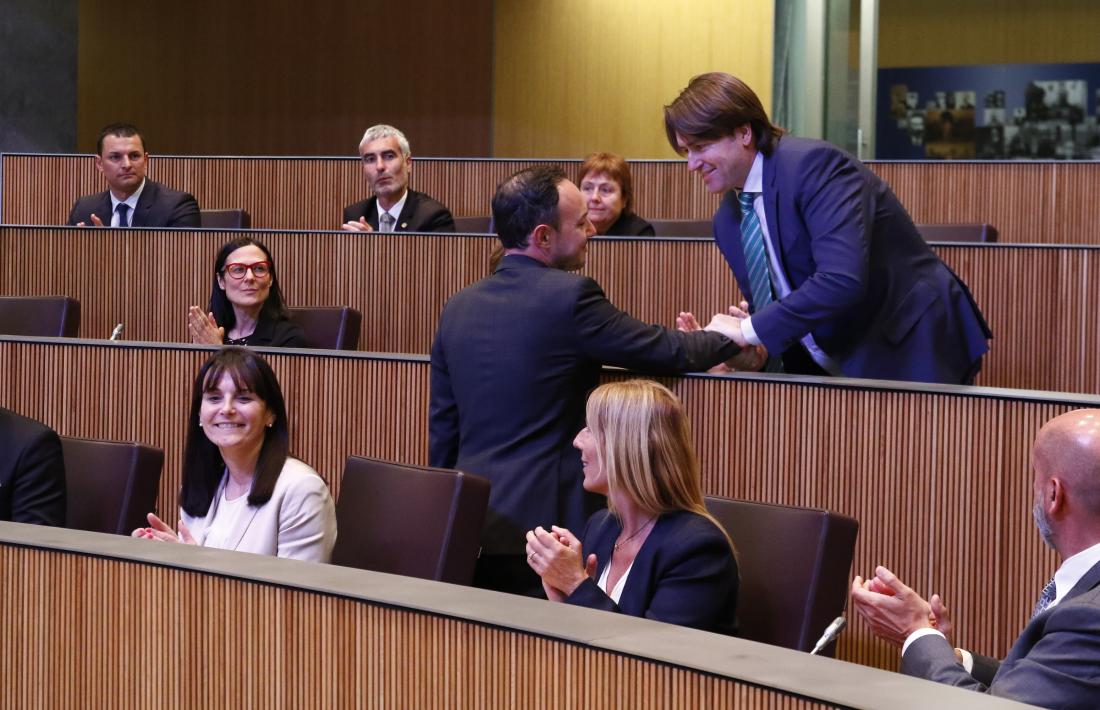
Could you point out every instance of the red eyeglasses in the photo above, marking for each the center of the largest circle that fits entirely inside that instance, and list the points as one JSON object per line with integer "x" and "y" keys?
{"x": 260, "y": 270}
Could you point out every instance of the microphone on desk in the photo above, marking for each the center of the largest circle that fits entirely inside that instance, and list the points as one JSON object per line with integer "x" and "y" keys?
{"x": 116, "y": 332}
{"x": 830, "y": 634}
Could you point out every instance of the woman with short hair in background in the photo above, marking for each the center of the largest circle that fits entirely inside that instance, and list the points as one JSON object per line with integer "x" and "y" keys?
{"x": 608, "y": 189}
{"x": 655, "y": 552}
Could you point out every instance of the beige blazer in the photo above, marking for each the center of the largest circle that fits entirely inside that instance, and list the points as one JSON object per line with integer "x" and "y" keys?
{"x": 298, "y": 522}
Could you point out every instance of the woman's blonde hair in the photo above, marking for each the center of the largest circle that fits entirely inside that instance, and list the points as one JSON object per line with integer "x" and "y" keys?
{"x": 643, "y": 440}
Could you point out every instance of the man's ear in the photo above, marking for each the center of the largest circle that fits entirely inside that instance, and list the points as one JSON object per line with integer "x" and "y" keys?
{"x": 541, "y": 235}
{"x": 1054, "y": 496}
{"x": 99, "y": 163}
{"x": 744, "y": 135}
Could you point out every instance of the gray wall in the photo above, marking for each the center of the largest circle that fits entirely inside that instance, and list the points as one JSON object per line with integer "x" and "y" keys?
{"x": 38, "y": 64}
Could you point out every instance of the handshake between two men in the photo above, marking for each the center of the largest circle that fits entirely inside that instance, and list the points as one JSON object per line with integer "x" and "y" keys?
{"x": 750, "y": 359}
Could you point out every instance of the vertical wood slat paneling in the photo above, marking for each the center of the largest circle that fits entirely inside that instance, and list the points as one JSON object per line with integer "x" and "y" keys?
{"x": 925, "y": 474}
{"x": 399, "y": 283}
{"x": 1029, "y": 203}
{"x": 96, "y": 632}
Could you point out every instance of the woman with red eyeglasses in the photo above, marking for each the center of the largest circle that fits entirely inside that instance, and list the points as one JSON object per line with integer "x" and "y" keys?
{"x": 246, "y": 304}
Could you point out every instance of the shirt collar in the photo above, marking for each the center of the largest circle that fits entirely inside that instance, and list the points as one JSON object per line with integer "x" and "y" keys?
{"x": 132, "y": 200}
{"x": 755, "y": 180}
{"x": 395, "y": 210}
{"x": 1073, "y": 569}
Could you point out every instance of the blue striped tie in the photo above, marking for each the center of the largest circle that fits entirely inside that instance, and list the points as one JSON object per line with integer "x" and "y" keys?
{"x": 756, "y": 257}
{"x": 1045, "y": 599}
{"x": 756, "y": 261}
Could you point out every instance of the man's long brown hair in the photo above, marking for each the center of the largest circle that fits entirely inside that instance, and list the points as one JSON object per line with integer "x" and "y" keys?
{"x": 714, "y": 106}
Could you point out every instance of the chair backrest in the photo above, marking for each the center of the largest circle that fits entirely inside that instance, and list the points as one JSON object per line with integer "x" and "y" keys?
{"x": 794, "y": 569}
{"x": 473, "y": 225}
{"x": 110, "y": 485}
{"x": 958, "y": 232}
{"x": 46, "y": 316}
{"x": 410, "y": 520}
{"x": 329, "y": 327}
{"x": 225, "y": 219}
{"x": 682, "y": 227}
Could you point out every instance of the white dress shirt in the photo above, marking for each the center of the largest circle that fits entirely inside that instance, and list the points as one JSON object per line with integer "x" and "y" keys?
{"x": 617, "y": 592}
{"x": 394, "y": 211}
{"x": 132, "y": 201}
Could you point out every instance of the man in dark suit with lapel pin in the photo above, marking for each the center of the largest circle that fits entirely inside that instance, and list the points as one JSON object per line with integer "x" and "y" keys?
{"x": 131, "y": 199}
{"x": 32, "y": 472}
{"x": 1055, "y": 662}
{"x": 837, "y": 278}
{"x": 387, "y": 165}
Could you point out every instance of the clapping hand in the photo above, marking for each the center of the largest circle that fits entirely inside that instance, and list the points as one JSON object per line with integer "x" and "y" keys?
{"x": 160, "y": 530}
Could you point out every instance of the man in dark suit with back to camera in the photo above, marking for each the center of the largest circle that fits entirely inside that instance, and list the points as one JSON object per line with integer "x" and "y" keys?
{"x": 387, "y": 165}
{"x": 837, "y": 278}
{"x": 32, "y": 472}
{"x": 514, "y": 359}
{"x": 1055, "y": 662}
{"x": 131, "y": 199}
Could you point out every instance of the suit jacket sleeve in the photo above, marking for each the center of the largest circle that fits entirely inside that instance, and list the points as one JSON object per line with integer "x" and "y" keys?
{"x": 443, "y": 412}
{"x": 38, "y": 491}
{"x": 440, "y": 220}
{"x": 185, "y": 213}
{"x": 691, "y": 589}
{"x": 288, "y": 334}
{"x": 609, "y": 335}
{"x": 307, "y": 521}
{"x": 1059, "y": 670}
{"x": 833, "y": 202}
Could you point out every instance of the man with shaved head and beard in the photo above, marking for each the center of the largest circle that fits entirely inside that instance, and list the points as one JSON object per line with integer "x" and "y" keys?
{"x": 1055, "y": 663}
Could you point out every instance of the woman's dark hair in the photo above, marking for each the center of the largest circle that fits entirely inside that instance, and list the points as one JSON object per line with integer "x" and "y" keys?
{"x": 203, "y": 466}
{"x": 273, "y": 309}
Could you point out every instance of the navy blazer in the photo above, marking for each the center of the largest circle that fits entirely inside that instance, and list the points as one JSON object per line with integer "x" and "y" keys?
{"x": 513, "y": 361}
{"x": 419, "y": 214}
{"x": 685, "y": 573}
{"x": 158, "y": 206}
{"x": 863, "y": 280}
{"x": 32, "y": 471}
{"x": 1055, "y": 663}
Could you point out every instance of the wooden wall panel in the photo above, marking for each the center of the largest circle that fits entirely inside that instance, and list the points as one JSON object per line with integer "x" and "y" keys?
{"x": 939, "y": 33}
{"x": 253, "y": 78}
{"x": 925, "y": 472}
{"x": 1029, "y": 203}
{"x": 147, "y": 279}
{"x": 574, "y": 77}
{"x": 96, "y": 632}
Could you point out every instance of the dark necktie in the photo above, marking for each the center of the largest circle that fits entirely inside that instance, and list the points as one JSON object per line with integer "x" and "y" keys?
{"x": 1045, "y": 599}
{"x": 386, "y": 221}
{"x": 123, "y": 209}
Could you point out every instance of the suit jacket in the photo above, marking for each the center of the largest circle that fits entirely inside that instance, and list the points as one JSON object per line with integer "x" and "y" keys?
{"x": 630, "y": 225}
{"x": 513, "y": 361}
{"x": 863, "y": 281}
{"x": 1055, "y": 663}
{"x": 299, "y": 521}
{"x": 158, "y": 206}
{"x": 32, "y": 472}
{"x": 685, "y": 573}
{"x": 420, "y": 214}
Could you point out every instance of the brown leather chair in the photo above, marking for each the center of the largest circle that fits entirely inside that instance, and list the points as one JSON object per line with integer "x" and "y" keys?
{"x": 473, "y": 225}
{"x": 329, "y": 327}
{"x": 410, "y": 520}
{"x": 225, "y": 219}
{"x": 794, "y": 565}
{"x": 110, "y": 485}
{"x": 682, "y": 227}
{"x": 958, "y": 232}
{"x": 45, "y": 316}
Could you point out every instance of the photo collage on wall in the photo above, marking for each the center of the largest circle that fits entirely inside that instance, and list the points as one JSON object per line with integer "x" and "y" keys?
{"x": 996, "y": 112}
